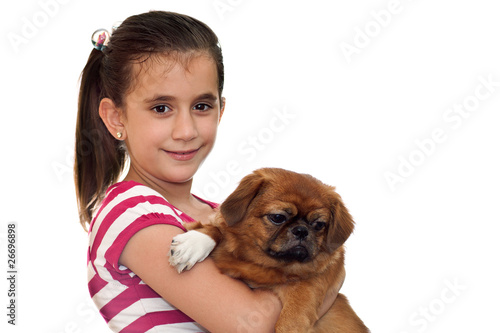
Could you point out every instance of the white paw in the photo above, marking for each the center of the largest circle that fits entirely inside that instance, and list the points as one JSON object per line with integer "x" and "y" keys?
{"x": 189, "y": 248}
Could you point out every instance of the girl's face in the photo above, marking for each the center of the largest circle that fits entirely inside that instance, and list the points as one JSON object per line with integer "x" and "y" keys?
{"x": 171, "y": 118}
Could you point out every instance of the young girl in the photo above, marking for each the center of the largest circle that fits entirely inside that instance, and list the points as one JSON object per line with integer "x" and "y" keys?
{"x": 152, "y": 95}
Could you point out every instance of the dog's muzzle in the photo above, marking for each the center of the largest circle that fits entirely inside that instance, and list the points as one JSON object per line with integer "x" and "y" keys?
{"x": 297, "y": 253}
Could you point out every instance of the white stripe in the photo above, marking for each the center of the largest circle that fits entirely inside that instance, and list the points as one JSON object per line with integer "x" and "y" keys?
{"x": 177, "y": 328}
{"x": 126, "y": 317}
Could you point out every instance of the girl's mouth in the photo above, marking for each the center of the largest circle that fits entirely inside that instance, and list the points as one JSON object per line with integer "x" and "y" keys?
{"x": 184, "y": 155}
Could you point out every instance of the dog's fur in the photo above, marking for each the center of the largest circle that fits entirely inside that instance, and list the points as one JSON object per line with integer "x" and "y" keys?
{"x": 283, "y": 231}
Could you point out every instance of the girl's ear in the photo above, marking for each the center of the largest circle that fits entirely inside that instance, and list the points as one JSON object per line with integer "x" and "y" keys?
{"x": 222, "y": 107}
{"x": 112, "y": 118}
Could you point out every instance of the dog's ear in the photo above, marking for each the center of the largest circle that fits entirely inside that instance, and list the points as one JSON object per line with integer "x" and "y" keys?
{"x": 343, "y": 224}
{"x": 235, "y": 207}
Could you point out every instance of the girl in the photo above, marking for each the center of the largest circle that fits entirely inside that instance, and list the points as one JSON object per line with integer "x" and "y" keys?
{"x": 153, "y": 95}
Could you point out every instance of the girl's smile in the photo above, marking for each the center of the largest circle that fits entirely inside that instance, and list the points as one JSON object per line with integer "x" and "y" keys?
{"x": 182, "y": 155}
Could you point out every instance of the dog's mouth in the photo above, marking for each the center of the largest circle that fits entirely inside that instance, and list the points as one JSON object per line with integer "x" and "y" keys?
{"x": 297, "y": 253}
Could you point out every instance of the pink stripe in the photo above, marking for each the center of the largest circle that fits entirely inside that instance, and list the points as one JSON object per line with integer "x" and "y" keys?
{"x": 125, "y": 299}
{"x": 96, "y": 284}
{"x": 153, "y": 319}
{"x": 119, "y": 189}
{"x": 118, "y": 304}
{"x": 213, "y": 205}
{"x": 91, "y": 262}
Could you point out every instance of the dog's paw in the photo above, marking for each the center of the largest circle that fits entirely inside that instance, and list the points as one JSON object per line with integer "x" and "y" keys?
{"x": 189, "y": 248}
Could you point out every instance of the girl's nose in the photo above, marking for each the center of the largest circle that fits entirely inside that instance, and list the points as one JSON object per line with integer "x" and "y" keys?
{"x": 184, "y": 127}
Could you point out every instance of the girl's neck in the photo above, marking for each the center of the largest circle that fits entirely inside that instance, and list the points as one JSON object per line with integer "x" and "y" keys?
{"x": 178, "y": 194}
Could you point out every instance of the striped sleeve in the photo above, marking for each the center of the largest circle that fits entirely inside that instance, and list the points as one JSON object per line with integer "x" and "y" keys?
{"x": 123, "y": 215}
{"x": 123, "y": 299}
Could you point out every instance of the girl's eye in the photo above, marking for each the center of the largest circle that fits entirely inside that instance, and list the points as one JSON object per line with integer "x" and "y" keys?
{"x": 202, "y": 107}
{"x": 161, "y": 109}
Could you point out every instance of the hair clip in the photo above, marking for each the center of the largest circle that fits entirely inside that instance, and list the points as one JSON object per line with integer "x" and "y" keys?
{"x": 100, "y": 39}
{"x": 115, "y": 26}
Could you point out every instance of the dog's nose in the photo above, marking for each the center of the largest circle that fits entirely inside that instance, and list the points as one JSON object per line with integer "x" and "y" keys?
{"x": 300, "y": 232}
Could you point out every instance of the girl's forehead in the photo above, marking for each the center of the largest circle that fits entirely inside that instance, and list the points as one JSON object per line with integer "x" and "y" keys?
{"x": 159, "y": 71}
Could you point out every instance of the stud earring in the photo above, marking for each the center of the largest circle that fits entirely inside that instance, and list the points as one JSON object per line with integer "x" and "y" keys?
{"x": 119, "y": 135}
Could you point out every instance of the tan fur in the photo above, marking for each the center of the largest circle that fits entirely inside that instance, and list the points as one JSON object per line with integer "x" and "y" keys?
{"x": 246, "y": 239}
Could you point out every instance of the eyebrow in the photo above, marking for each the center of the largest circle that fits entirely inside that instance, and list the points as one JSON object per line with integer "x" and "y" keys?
{"x": 167, "y": 98}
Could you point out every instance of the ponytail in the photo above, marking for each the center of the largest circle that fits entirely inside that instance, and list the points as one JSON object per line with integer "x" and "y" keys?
{"x": 99, "y": 160}
{"x": 99, "y": 157}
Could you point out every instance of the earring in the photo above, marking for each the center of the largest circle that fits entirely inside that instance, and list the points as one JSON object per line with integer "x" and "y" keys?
{"x": 119, "y": 135}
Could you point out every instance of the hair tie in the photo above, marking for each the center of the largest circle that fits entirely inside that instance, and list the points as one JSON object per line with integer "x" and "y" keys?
{"x": 100, "y": 37}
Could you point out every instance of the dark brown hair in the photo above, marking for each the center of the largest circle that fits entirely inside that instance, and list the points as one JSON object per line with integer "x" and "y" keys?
{"x": 99, "y": 157}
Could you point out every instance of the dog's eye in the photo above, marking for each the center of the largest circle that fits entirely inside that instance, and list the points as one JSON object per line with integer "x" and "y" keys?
{"x": 319, "y": 225}
{"x": 276, "y": 218}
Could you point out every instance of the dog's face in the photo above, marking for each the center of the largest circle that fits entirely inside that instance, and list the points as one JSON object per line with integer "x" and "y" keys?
{"x": 283, "y": 217}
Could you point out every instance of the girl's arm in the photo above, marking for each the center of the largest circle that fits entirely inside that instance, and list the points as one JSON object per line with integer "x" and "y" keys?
{"x": 217, "y": 302}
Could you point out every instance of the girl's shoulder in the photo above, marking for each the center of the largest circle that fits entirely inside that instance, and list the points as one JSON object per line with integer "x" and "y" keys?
{"x": 129, "y": 187}
{"x": 133, "y": 195}
{"x": 128, "y": 202}
{"x": 133, "y": 188}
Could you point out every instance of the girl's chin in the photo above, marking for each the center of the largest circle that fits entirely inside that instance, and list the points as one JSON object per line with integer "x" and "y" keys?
{"x": 180, "y": 177}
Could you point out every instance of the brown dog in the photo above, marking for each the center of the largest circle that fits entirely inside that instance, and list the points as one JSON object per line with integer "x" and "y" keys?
{"x": 283, "y": 231}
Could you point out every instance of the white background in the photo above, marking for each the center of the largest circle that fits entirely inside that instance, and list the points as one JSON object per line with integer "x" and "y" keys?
{"x": 424, "y": 255}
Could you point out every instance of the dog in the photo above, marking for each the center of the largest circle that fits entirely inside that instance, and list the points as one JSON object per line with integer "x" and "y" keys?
{"x": 283, "y": 231}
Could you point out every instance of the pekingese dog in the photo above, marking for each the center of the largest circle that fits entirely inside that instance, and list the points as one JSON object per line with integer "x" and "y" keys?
{"x": 283, "y": 231}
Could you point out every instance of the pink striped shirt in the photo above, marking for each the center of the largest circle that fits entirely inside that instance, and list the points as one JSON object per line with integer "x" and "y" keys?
{"x": 123, "y": 299}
